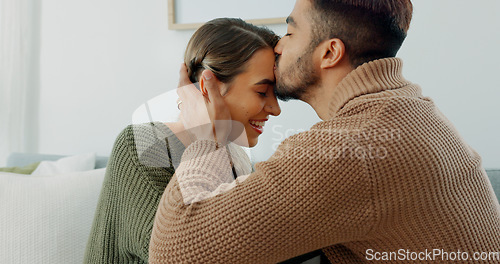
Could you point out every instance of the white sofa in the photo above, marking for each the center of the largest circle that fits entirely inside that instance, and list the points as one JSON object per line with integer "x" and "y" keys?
{"x": 48, "y": 219}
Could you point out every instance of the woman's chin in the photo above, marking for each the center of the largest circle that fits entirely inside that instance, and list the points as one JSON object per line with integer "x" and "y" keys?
{"x": 243, "y": 138}
{"x": 246, "y": 142}
{"x": 252, "y": 143}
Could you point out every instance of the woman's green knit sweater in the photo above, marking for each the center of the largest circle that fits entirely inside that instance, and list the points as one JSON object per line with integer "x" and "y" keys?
{"x": 141, "y": 164}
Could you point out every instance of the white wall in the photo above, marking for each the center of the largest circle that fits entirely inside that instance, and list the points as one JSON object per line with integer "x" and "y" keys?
{"x": 102, "y": 59}
{"x": 452, "y": 51}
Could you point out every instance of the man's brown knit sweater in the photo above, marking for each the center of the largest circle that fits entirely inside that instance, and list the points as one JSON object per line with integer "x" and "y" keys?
{"x": 386, "y": 174}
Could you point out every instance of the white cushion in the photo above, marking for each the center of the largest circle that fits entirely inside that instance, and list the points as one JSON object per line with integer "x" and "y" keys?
{"x": 47, "y": 219}
{"x": 83, "y": 162}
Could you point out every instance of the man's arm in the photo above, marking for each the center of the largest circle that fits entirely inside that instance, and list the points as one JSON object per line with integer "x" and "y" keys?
{"x": 303, "y": 199}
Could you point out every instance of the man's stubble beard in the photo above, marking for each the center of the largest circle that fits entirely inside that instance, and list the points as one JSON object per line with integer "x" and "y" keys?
{"x": 306, "y": 78}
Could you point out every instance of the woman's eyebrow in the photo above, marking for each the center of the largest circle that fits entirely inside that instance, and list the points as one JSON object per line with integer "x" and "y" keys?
{"x": 265, "y": 81}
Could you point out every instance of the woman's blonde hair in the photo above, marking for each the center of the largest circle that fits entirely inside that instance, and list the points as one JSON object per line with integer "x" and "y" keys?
{"x": 224, "y": 45}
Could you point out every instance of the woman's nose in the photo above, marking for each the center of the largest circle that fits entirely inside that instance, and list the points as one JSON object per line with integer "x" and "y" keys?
{"x": 272, "y": 105}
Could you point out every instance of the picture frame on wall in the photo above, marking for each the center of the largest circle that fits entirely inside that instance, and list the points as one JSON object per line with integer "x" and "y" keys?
{"x": 190, "y": 14}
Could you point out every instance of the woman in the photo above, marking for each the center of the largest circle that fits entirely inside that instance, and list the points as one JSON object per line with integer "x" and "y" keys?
{"x": 144, "y": 157}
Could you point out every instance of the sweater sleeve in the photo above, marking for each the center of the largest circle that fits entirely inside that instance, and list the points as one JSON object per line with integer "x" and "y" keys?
{"x": 196, "y": 185}
{"x": 309, "y": 195}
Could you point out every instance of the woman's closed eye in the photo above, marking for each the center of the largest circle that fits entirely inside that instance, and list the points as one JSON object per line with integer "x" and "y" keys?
{"x": 265, "y": 83}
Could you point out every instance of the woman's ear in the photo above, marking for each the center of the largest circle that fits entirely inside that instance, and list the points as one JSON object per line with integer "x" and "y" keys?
{"x": 203, "y": 89}
{"x": 333, "y": 52}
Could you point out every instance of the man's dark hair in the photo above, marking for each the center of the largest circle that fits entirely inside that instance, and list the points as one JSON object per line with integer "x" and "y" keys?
{"x": 370, "y": 29}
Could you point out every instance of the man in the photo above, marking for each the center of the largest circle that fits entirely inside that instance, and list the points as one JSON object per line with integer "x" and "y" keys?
{"x": 385, "y": 176}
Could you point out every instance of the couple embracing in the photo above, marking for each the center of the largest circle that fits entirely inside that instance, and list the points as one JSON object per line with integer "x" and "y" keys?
{"x": 428, "y": 191}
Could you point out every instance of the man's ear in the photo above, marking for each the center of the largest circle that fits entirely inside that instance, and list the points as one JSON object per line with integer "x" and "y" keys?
{"x": 333, "y": 51}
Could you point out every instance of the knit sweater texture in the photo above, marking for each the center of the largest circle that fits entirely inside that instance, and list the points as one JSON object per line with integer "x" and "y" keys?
{"x": 142, "y": 162}
{"x": 386, "y": 172}
{"x": 138, "y": 171}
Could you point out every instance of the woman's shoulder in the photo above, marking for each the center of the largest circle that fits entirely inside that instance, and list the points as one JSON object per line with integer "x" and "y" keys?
{"x": 143, "y": 133}
{"x": 141, "y": 151}
{"x": 144, "y": 144}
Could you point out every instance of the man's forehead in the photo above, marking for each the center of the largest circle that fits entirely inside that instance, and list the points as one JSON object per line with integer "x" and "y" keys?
{"x": 299, "y": 13}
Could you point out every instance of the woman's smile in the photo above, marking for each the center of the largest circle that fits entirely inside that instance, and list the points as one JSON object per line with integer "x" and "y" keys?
{"x": 258, "y": 125}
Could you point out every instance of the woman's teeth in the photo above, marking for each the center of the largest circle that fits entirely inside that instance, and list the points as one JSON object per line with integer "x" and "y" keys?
{"x": 255, "y": 123}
